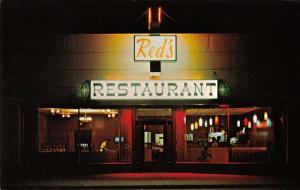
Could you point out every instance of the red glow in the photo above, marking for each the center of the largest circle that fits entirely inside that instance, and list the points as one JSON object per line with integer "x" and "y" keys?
{"x": 126, "y": 128}
{"x": 174, "y": 176}
{"x": 223, "y": 106}
{"x": 180, "y": 134}
{"x": 246, "y": 121}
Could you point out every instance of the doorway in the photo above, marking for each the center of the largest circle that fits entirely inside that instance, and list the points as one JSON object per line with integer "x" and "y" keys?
{"x": 154, "y": 142}
{"x": 155, "y": 145}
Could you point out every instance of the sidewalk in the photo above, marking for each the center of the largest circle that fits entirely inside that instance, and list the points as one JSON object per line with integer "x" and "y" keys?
{"x": 158, "y": 180}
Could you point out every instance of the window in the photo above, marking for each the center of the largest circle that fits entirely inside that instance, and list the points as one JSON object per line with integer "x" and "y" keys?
{"x": 100, "y": 135}
{"x": 228, "y": 134}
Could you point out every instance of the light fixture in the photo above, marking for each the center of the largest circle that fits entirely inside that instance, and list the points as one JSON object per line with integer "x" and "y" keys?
{"x": 192, "y": 126}
{"x": 205, "y": 123}
{"x": 52, "y": 110}
{"x": 216, "y": 120}
{"x": 246, "y": 121}
{"x": 200, "y": 122}
{"x": 85, "y": 118}
{"x": 269, "y": 123}
{"x": 210, "y": 121}
{"x": 266, "y": 116}
{"x": 238, "y": 123}
{"x": 254, "y": 118}
{"x": 109, "y": 115}
{"x": 196, "y": 125}
{"x": 113, "y": 114}
{"x": 249, "y": 124}
{"x": 65, "y": 115}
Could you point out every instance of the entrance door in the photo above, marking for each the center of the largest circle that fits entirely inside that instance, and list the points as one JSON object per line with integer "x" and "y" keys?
{"x": 155, "y": 144}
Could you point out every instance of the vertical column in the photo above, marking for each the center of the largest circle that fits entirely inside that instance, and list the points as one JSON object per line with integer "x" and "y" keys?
{"x": 180, "y": 126}
{"x": 126, "y": 123}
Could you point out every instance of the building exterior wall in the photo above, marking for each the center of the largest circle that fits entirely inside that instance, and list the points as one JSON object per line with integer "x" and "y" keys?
{"x": 49, "y": 69}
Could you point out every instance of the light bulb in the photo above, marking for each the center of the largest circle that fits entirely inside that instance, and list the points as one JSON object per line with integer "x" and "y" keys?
{"x": 266, "y": 116}
{"x": 216, "y": 120}
{"x": 238, "y": 123}
{"x": 254, "y": 118}
{"x": 210, "y": 121}
{"x": 200, "y": 122}
{"x": 192, "y": 127}
{"x": 196, "y": 125}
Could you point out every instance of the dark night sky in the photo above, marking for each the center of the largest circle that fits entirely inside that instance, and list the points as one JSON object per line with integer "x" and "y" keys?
{"x": 123, "y": 16}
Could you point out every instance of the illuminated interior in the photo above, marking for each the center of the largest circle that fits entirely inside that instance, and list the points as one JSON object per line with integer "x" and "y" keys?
{"x": 214, "y": 135}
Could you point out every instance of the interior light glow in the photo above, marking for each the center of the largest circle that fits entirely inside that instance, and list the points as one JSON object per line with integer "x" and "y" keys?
{"x": 246, "y": 121}
{"x": 210, "y": 121}
{"x": 254, "y": 118}
{"x": 196, "y": 125}
{"x": 266, "y": 116}
{"x": 205, "y": 123}
{"x": 244, "y": 130}
{"x": 192, "y": 126}
{"x": 85, "y": 118}
{"x": 238, "y": 123}
{"x": 216, "y": 120}
{"x": 200, "y": 122}
{"x": 249, "y": 124}
{"x": 269, "y": 123}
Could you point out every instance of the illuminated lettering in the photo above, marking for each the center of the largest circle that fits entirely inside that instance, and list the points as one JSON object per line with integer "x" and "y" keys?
{"x": 155, "y": 48}
{"x": 172, "y": 87}
{"x": 122, "y": 91}
{"x": 200, "y": 90}
{"x": 185, "y": 89}
{"x": 154, "y": 90}
{"x": 97, "y": 88}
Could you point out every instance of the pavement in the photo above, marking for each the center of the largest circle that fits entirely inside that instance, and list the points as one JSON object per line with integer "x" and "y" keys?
{"x": 177, "y": 180}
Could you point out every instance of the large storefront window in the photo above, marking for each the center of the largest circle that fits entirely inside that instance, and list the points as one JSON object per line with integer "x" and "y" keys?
{"x": 228, "y": 135}
{"x": 92, "y": 135}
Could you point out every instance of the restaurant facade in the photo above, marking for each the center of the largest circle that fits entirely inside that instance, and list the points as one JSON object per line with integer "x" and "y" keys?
{"x": 135, "y": 99}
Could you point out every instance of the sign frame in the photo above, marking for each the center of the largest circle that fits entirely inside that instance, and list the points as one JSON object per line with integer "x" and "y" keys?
{"x": 140, "y": 90}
